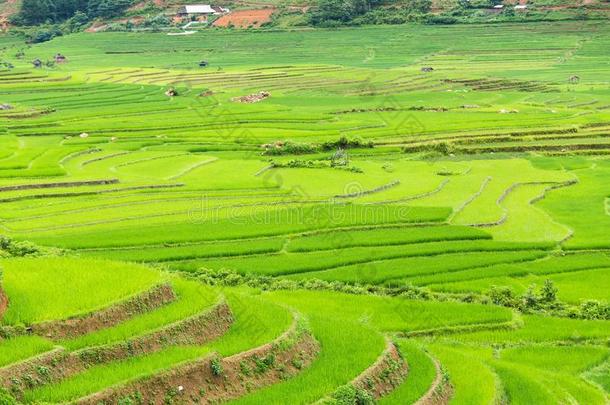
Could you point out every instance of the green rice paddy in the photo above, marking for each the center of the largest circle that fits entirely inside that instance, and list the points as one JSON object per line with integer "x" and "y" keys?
{"x": 462, "y": 213}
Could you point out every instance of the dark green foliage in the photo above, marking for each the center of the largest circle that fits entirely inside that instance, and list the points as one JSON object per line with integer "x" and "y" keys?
{"x": 34, "y": 12}
{"x": 346, "y": 143}
{"x": 288, "y": 148}
{"x": 502, "y": 296}
{"x": 592, "y": 309}
{"x": 350, "y": 395}
{"x": 331, "y": 13}
{"x": 11, "y": 248}
{"x": 529, "y": 299}
{"x": 216, "y": 365}
{"x": 548, "y": 294}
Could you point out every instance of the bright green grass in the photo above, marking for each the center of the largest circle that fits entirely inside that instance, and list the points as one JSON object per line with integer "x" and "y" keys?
{"x": 22, "y": 347}
{"x": 378, "y": 237}
{"x": 394, "y": 314}
{"x": 348, "y": 346}
{"x": 302, "y": 262}
{"x": 408, "y": 270}
{"x": 538, "y": 328}
{"x": 192, "y": 298}
{"x": 257, "y": 321}
{"x": 347, "y": 349}
{"x": 325, "y": 84}
{"x": 573, "y": 286}
{"x": 420, "y": 378}
{"x": 260, "y": 222}
{"x": 524, "y": 384}
{"x": 55, "y": 288}
{"x": 189, "y": 252}
{"x": 600, "y": 375}
{"x": 560, "y": 359}
{"x": 99, "y": 377}
{"x": 473, "y": 381}
{"x": 544, "y": 268}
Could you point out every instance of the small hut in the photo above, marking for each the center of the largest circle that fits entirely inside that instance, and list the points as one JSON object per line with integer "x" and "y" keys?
{"x": 37, "y": 63}
{"x": 203, "y": 63}
{"x": 574, "y": 79}
{"x": 427, "y": 69}
{"x": 59, "y": 58}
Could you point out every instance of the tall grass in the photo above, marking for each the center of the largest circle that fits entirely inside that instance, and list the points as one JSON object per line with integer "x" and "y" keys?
{"x": 52, "y": 288}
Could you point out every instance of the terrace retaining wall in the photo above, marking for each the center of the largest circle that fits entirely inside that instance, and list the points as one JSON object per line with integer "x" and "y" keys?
{"x": 214, "y": 380}
{"x": 440, "y": 391}
{"x": 82, "y": 325}
{"x": 3, "y": 302}
{"x": 387, "y": 373}
{"x": 59, "y": 364}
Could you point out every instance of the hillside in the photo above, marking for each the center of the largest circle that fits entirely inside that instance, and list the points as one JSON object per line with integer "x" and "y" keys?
{"x": 98, "y": 15}
{"x": 396, "y": 214}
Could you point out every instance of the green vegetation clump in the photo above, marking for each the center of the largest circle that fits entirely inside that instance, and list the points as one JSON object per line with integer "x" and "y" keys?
{"x": 12, "y": 248}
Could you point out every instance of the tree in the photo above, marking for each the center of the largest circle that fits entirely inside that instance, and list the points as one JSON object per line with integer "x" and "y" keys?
{"x": 419, "y": 6}
{"x": 37, "y": 11}
{"x": 548, "y": 294}
{"x": 530, "y": 300}
{"x": 340, "y": 11}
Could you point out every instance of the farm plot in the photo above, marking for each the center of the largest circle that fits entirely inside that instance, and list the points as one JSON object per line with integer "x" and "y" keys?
{"x": 366, "y": 217}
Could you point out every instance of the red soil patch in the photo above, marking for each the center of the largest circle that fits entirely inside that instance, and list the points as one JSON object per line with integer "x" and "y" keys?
{"x": 245, "y": 18}
{"x": 3, "y": 302}
{"x": 105, "y": 318}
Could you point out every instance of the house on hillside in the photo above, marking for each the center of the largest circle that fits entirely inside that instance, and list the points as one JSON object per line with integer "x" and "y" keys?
{"x": 521, "y": 7}
{"x": 200, "y": 12}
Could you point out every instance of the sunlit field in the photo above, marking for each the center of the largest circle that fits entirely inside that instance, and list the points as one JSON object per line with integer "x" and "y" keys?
{"x": 367, "y": 232}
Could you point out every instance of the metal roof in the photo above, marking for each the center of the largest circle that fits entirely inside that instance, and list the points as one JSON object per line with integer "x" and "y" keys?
{"x": 199, "y": 9}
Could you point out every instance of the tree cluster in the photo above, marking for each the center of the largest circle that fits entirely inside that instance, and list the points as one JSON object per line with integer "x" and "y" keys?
{"x": 331, "y": 13}
{"x": 35, "y": 12}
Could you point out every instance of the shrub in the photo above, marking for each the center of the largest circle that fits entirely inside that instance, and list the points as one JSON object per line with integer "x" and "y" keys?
{"x": 346, "y": 143}
{"x": 10, "y": 248}
{"x": 216, "y": 365}
{"x": 592, "y": 309}
{"x": 502, "y": 296}
{"x": 529, "y": 299}
{"x": 350, "y": 395}
{"x": 287, "y": 148}
{"x": 548, "y": 294}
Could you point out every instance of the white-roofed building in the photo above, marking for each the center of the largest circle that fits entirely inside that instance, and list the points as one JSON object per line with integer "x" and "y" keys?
{"x": 200, "y": 11}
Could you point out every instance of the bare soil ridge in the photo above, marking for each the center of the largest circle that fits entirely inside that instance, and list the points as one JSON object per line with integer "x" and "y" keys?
{"x": 60, "y": 364}
{"x": 84, "y": 324}
{"x": 216, "y": 380}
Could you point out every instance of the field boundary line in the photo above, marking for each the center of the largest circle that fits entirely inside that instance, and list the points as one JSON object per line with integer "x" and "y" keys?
{"x": 441, "y": 389}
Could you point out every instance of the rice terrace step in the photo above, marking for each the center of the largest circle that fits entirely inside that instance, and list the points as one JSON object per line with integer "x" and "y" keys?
{"x": 305, "y": 203}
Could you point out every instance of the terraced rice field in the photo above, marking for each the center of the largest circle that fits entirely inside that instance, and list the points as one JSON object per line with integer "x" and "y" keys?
{"x": 403, "y": 237}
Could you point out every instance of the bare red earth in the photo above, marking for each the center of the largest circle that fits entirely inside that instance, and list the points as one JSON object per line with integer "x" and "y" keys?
{"x": 245, "y": 18}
